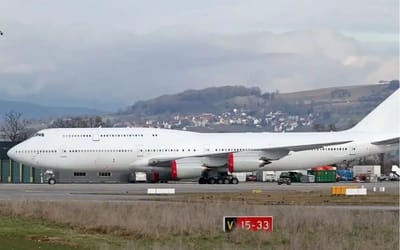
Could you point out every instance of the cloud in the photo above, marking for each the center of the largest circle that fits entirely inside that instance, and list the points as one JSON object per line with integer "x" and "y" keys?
{"x": 114, "y": 55}
{"x": 141, "y": 67}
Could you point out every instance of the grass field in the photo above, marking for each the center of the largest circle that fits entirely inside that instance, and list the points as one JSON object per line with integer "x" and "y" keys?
{"x": 197, "y": 224}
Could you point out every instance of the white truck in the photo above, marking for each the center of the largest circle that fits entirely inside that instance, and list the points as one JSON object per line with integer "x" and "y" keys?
{"x": 369, "y": 173}
{"x": 266, "y": 176}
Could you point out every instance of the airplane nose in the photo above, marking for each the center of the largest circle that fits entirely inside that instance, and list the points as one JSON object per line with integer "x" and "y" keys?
{"x": 11, "y": 153}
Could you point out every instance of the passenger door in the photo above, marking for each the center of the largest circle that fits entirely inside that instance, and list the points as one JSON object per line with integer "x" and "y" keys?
{"x": 63, "y": 152}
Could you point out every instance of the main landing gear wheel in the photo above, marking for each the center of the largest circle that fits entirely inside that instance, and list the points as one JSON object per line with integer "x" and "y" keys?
{"x": 51, "y": 181}
{"x": 234, "y": 181}
{"x": 212, "y": 180}
{"x": 202, "y": 180}
{"x": 218, "y": 180}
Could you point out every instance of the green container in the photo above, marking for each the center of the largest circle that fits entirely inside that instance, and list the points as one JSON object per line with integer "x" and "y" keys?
{"x": 26, "y": 174}
{"x": 16, "y": 172}
{"x": 5, "y": 171}
{"x": 322, "y": 176}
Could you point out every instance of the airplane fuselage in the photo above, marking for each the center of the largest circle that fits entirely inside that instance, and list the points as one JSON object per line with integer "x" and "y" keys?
{"x": 134, "y": 148}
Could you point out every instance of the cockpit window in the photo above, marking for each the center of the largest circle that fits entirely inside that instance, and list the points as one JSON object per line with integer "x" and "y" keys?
{"x": 39, "y": 134}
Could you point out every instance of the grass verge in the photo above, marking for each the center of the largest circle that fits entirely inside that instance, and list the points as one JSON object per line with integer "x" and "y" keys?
{"x": 194, "y": 223}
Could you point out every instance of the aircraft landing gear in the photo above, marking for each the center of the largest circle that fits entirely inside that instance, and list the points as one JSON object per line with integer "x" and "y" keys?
{"x": 220, "y": 179}
{"x": 202, "y": 180}
{"x": 51, "y": 177}
{"x": 51, "y": 181}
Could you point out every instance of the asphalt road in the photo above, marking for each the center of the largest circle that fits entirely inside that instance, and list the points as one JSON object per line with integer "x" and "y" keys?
{"x": 134, "y": 192}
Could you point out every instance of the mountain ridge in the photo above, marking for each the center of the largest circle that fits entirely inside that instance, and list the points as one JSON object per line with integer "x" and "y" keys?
{"x": 36, "y": 111}
{"x": 252, "y": 100}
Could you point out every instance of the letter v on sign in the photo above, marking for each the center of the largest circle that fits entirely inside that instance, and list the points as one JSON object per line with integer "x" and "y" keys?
{"x": 229, "y": 223}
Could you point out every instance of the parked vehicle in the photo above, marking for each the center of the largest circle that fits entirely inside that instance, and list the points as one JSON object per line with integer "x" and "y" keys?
{"x": 251, "y": 178}
{"x": 284, "y": 178}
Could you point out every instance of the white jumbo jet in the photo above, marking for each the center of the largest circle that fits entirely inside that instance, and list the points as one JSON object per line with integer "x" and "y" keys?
{"x": 211, "y": 157}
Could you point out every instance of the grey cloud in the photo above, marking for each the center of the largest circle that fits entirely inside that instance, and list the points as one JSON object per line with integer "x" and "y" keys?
{"x": 110, "y": 55}
{"x": 141, "y": 67}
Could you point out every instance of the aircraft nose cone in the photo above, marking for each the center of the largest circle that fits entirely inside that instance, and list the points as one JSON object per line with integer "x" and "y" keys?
{"x": 11, "y": 153}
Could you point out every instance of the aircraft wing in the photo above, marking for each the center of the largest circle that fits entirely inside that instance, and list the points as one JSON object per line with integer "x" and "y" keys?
{"x": 387, "y": 142}
{"x": 270, "y": 153}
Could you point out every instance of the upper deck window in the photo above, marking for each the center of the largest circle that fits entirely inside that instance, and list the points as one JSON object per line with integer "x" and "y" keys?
{"x": 39, "y": 134}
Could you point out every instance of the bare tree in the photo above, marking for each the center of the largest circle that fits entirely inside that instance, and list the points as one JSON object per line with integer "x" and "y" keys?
{"x": 95, "y": 122}
{"x": 14, "y": 127}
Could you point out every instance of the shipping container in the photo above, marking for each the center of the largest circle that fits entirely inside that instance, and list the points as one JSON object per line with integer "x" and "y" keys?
{"x": 325, "y": 176}
{"x": 345, "y": 175}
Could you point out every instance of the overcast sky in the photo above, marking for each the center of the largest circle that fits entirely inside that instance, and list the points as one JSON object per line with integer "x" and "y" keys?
{"x": 109, "y": 54}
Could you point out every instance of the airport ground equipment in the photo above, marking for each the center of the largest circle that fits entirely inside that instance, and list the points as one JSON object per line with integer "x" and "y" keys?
{"x": 308, "y": 178}
{"x": 348, "y": 190}
{"x": 345, "y": 175}
{"x": 368, "y": 173}
{"x": 324, "y": 176}
{"x": 266, "y": 176}
{"x": 138, "y": 177}
{"x": 284, "y": 178}
{"x": 293, "y": 176}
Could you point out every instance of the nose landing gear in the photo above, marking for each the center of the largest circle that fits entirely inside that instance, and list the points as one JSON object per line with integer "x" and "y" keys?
{"x": 51, "y": 177}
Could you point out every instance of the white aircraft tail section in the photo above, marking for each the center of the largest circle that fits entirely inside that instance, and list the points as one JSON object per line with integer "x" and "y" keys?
{"x": 384, "y": 118}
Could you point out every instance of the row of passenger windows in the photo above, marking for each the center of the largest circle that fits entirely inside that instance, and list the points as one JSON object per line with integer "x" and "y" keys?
{"x": 100, "y": 150}
{"x": 231, "y": 149}
{"x": 106, "y": 135}
{"x": 36, "y": 151}
{"x": 77, "y": 135}
{"x": 168, "y": 150}
{"x": 154, "y": 150}
{"x": 330, "y": 149}
{"x": 121, "y": 135}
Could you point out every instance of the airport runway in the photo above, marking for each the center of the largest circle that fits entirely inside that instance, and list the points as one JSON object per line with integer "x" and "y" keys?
{"x": 134, "y": 192}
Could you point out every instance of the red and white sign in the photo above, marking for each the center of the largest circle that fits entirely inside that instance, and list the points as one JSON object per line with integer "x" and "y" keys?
{"x": 251, "y": 223}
